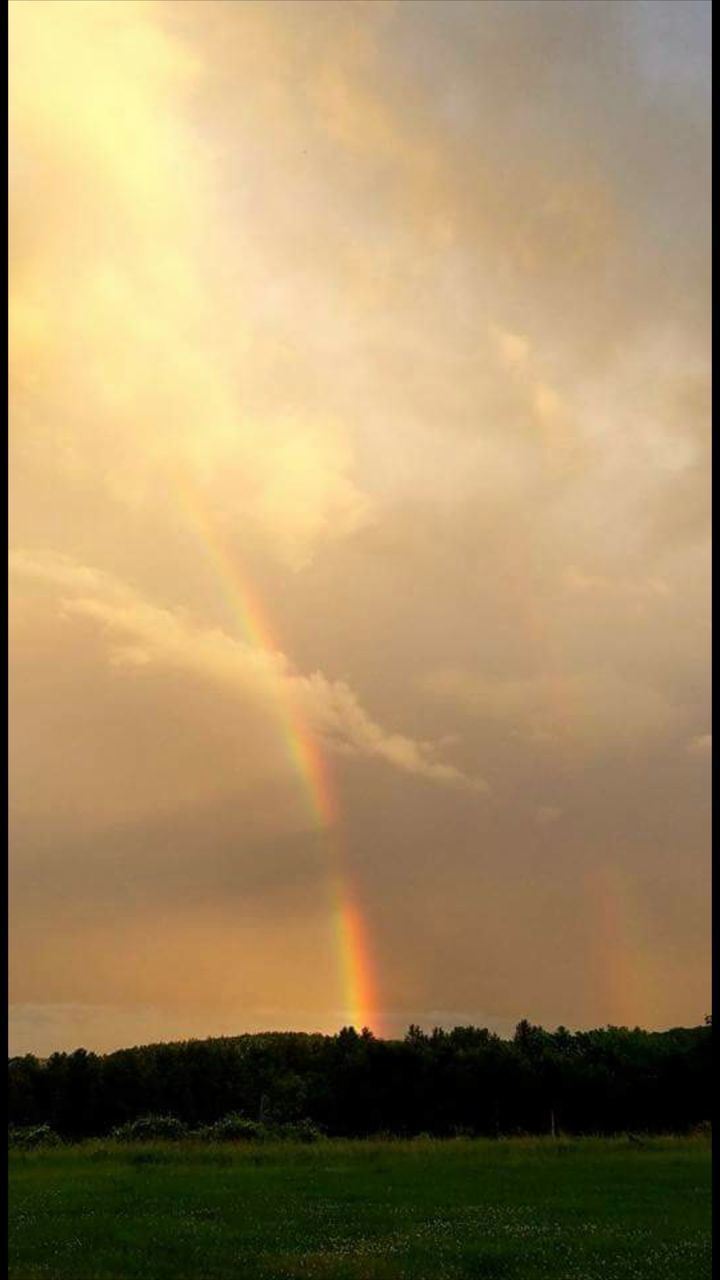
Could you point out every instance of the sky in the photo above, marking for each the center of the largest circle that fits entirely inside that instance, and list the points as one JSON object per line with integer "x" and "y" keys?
{"x": 359, "y": 516}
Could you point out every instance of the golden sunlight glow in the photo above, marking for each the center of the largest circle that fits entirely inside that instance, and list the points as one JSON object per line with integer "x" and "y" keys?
{"x": 359, "y": 513}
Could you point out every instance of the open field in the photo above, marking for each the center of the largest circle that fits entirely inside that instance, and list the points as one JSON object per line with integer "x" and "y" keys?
{"x": 572, "y": 1210}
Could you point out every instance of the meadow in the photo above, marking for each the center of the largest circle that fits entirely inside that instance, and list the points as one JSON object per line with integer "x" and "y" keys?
{"x": 575, "y": 1209}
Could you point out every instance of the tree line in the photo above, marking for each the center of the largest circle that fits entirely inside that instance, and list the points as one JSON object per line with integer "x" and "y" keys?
{"x": 443, "y": 1083}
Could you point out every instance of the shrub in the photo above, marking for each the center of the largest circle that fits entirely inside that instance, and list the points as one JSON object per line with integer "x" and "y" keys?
{"x": 298, "y": 1131}
{"x": 28, "y": 1137}
{"x": 234, "y": 1128}
{"x": 150, "y": 1128}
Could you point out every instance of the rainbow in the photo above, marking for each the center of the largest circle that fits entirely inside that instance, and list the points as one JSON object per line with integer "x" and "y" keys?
{"x": 359, "y": 989}
{"x": 623, "y": 967}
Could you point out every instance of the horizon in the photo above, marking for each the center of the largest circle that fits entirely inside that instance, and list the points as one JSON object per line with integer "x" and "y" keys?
{"x": 360, "y": 1032}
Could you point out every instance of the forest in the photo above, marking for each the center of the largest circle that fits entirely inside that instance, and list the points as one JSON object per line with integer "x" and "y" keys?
{"x": 462, "y": 1082}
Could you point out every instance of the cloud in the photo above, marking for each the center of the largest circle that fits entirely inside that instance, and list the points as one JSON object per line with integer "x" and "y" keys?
{"x": 547, "y": 814}
{"x": 403, "y": 310}
{"x": 578, "y": 581}
{"x": 513, "y": 348}
{"x": 121, "y": 371}
{"x": 592, "y": 709}
{"x": 145, "y": 635}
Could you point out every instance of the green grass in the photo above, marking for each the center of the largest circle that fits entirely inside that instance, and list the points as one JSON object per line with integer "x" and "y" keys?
{"x": 577, "y": 1210}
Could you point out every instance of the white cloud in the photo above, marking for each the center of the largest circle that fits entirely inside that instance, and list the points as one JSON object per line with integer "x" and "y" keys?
{"x": 144, "y": 634}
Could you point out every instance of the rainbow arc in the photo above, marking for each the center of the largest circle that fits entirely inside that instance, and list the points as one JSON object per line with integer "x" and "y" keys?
{"x": 356, "y": 969}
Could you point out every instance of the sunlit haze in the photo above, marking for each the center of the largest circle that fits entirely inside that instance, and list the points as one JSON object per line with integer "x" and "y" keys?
{"x": 359, "y": 507}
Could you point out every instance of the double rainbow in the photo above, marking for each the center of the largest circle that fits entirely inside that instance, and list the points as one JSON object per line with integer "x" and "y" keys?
{"x": 358, "y": 986}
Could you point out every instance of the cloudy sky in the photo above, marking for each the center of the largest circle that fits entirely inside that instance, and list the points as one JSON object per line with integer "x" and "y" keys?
{"x": 359, "y": 515}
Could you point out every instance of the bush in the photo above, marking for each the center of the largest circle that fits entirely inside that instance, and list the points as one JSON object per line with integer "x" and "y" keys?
{"x": 234, "y": 1128}
{"x": 150, "y": 1128}
{"x": 298, "y": 1131}
{"x": 26, "y": 1138}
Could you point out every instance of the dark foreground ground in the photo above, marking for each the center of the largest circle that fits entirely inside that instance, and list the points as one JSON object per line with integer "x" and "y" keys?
{"x": 577, "y": 1210}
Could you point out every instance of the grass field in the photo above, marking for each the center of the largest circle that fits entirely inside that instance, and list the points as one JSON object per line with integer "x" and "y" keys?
{"x": 577, "y": 1210}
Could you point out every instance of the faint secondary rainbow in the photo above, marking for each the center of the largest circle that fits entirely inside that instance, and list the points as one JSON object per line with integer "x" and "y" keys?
{"x": 360, "y": 998}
